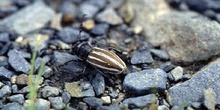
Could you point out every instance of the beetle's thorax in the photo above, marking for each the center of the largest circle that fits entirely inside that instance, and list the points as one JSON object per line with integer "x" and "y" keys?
{"x": 82, "y": 49}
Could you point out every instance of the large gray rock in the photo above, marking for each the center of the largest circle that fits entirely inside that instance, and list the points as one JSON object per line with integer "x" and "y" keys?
{"x": 193, "y": 89}
{"x": 31, "y": 18}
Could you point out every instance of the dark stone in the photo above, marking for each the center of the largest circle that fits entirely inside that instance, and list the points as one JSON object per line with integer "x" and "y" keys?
{"x": 197, "y": 5}
{"x": 89, "y": 9}
{"x": 68, "y": 8}
{"x": 160, "y": 53}
{"x": 5, "y": 74}
{"x": 4, "y": 91}
{"x": 13, "y": 106}
{"x": 5, "y": 48}
{"x": 141, "y": 101}
{"x": 167, "y": 67}
{"x": 143, "y": 55}
{"x": 100, "y": 4}
{"x": 66, "y": 97}
{"x": 4, "y": 37}
{"x": 146, "y": 81}
{"x": 100, "y": 29}
{"x": 110, "y": 107}
{"x": 19, "y": 98}
{"x": 21, "y": 3}
{"x": 98, "y": 84}
{"x": 93, "y": 102}
{"x": 14, "y": 88}
{"x": 18, "y": 62}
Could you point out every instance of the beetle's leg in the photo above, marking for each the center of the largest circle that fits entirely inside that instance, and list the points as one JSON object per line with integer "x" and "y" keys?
{"x": 115, "y": 50}
{"x": 52, "y": 48}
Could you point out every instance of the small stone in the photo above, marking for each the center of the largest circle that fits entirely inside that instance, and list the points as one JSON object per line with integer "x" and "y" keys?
{"x": 69, "y": 35}
{"x": 4, "y": 61}
{"x": 4, "y": 91}
{"x": 142, "y": 56}
{"x": 100, "y": 29}
{"x": 42, "y": 104}
{"x": 141, "y": 101}
{"x": 68, "y": 8}
{"x": 5, "y": 74}
{"x": 89, "y": 24}
{"x": 89, "y": 9}
{"x": 109, "y": 16}
{"x": 210, "y": 99}
{"x": 14, "y": 88}
{"x": 12, "y": 106}
{"x": 196, "y": 105}
{"x": 23, "y": 22}
{"x": 116, "y": 3}
{"x": 22, "y": 79}
{"x": 37, "y": 39}
{"x": 93, "y": 102}
{"x": 57, "y": 102}
{"x": 19, "y": 98}
{"x": 4, "y": 37}
{"x": 163, "y": 107}
{"x": 186, "y": 76}
{"x": 18, "y": 62}
{"x": 106, "y": 99}
{"x": 128, "y": 14}
{"x": 24, "y": 90}
{"x": 66, "y": 97}
{"x": 113, "y": 94}
{"x": 98, "y": 84}
{"x": 160, "y": 53}
{"x": 79, "y": 89}
{"x": 138, "y": 29}
{"x": 177, "y": 73}
{"x": 101, "y": 4}
{"x": 49, "y": 91}
{"x": 167, "y": 67}
{"x": 47, "y": 72}
{"x": 38, "y": 63}
{"x": 110, "y": 107}
{"x": 136, "y": 82}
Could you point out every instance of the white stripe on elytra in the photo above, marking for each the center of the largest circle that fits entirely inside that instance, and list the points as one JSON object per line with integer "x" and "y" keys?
{"x": 95, "y": 58}
{"x": 104, "y": 68}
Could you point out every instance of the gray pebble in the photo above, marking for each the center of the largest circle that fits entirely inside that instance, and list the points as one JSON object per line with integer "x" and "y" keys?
{"x": 38, "y": 63}
{"x": 110, "y": 107}
{"x": 47, "y": 72}
{"x": 18, "y": 62}
{"x": 142, "y": 56}
{"x": 4, "y": 37}
{"x": 66, "y": 97}
{"x": 163, "y": 107}
{"x": 19, "y": 98}
{"x": 109, "y": 16}
{"x": 167, "y": 67}
{"x": 68, "y": 8}
{"x": 12, "y": 106}
{"x": 100, "y": 4}
{"x": 160, "y": 53}
{"x": 196, "y": 105}
{"x": 5, "y": 90}
{"x": 145, "y": 81}
{"x": 5, "y": 74}
{"x": 57, "y": 102}
{"x": 141, "y": 101}
{"x": 93, "y": 102}
{"x": 177, "y": 73}
{"x": 116, "y": 3}
{"x": 23, "y": 22}
{"x": 210, "y": 99}
{"x": 100, "y": 29}
{"x": 14, "y": 88}
{"x": 89, "y": 9}
{"x": 49, "y": 91}
{"x": 42, "y": 104}
{"x": 98, "y": 84}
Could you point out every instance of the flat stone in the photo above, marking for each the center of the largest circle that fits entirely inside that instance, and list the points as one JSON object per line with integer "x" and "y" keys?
{"x": 49, "y": 91}
{"x": 210, "y": 99}
{"x": 93, "y": 102}
{"x": 106, "y": 99}
{"x": 141, "y": 101}
{"x": 4, "y": 37}
{"x": 12, "y": 106}
{"x": 145, "y": 81}
{"x": 57, "y": 102}
{"x": 160, "y": 53}
{"x": 42, "y": 104}
{"x": 177, "y": 73}
{"x": 109, "y": 16}
{"x": 4, "y": 91}
{"x": 79, "y": 89}
{"x": 19, "y": 98}
{"x": 5, "y": 74}
{"x": 143, "y": 55}
{"x": 18, "y": 62}
{"x": 110, "y": 107}
{"x": 66, "y": 97}
{"x": 193, "y": 89}
{"x": 98, "y": 84}
{"x": 23, "y": 22}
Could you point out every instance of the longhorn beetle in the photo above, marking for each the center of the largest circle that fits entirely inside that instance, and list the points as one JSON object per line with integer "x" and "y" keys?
{"x": 102, "y": 59}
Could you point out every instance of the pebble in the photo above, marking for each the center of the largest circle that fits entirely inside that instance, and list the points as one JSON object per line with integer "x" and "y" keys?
{"x": 89, "y": 9}
{"x": 93, "y": 102}
{"x": 23, "y": 22}
{"x": 68, "y": 8}
{"x": 38, "y": 63}
{"x": 62, "y": 57}
{"x": 57, "y": 102}
{"x": 69, "y": 35}
{"x": 115, "y": 3}
{"x": 110, "y": 107}
{"x": 48, "y": 72}
{"x": 5, "y": 74}
{"x": 22, "y": 79}
{"x": 4, "y": 91}
{"x": 109, "y": 16}
{"x": 141, "y": 101}
{"x": 4, "y": 61}
{"x": 79, "y": 89}
{"x": 4, "y": 37}
{"x": 18, "y": 62}
{"x": 100, "y": 29}
{"x": 177, "y": 73}
{"x": 128, "y": 14}
{"x": 98, "y": 84}
{"x": 66, "y": 97}
{"x": 160, "y": 53}
{"x": 19, "y": 98}
{"x": 192, "y": 89}
{"x": 14, "y": 88}
{"x": 42, "y": 104}
{"x": 89, "y": 24}
{"x": 148, "y": 80}
{"x": 5, "y": 48}
{"x": 106, "y": 99}
{"x": 49, "y": 91}
{"x": 37, "y": 39}
{"x": 167, "y": 67}
{"x": 21, "y": 3}
{"x": 142, "y": 56}
{"x": 162, "y": 107}
{"x": 210, "y": 99}
{"x": 100, "y": 4}
{"x": 12, "y": 106}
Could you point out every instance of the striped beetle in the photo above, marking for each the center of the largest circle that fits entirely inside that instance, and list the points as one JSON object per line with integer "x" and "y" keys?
{"x": 102, "y": 59}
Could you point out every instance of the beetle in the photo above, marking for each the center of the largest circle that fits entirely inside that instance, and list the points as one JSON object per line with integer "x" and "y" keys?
{"x": 105, "y": 60}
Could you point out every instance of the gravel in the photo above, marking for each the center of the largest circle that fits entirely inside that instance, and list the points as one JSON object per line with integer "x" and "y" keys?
{"x": 5, "y": 74}
{"x": 93, "y": 102}
{"x": 98, "y": 84}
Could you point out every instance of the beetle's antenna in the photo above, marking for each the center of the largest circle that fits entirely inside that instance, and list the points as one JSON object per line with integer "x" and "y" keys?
{"x": 81, "y": 25}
